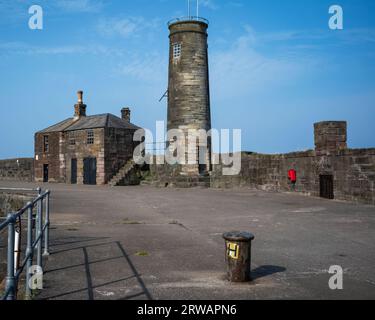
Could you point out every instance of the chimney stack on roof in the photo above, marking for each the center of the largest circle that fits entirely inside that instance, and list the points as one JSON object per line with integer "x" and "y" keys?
{"x": 80, "y": 107}
{"x": 125, "y": 114}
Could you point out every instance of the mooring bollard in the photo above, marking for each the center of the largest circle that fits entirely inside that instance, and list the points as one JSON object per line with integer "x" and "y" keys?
{"x": 238, "y": 255}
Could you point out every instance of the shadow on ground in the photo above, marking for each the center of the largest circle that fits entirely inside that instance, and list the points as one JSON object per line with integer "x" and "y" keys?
{"x": 81, "y": 253}
{"x": 265, "y": 271}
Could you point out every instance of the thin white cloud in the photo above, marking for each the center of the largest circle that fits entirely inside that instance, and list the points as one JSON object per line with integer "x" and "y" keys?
{"x": 290, "y": 52}
{"x": 126, "y": 27}
{"x": 16, "y": 11}
{"x": 236, "y": 4}
{"x": 12, "y": 11}
{"x": 240, "y": 69}
{"x": 20, "y": 48}
{"x": 346, "y": 36}
{"x": 79, "y": 5}
{"x": 210, "y": 4}
{"x": 123, "y": 27}
{"x": 147, "y": 68}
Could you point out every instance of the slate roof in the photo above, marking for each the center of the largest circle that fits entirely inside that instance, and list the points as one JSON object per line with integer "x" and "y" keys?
{"x": 58, "y": 127}
{"x": 105, "y": 120}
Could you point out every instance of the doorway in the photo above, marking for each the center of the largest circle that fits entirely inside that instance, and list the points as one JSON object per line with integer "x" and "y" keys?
{"x": 73, "y": 178}
{"x": 327, "y": 187}
{"x": 89, "y": 171}
{"x": 45, "y": 173}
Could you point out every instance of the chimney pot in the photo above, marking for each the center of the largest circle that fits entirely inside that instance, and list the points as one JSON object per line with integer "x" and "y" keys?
{"x": 80, "y": 96}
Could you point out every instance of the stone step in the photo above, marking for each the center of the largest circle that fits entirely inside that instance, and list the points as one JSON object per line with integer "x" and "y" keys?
{"x": 122, "y": 173}
{"x": 149, "y": 183}
{"x": 186, "y": 182}
{"x": 191, "y": 185}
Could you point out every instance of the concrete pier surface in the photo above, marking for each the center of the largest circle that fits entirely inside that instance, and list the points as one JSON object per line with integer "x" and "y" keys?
{"x": 147, "y": 243}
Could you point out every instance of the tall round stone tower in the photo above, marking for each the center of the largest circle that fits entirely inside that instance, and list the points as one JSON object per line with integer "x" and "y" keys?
{"x": 188, "y": 88}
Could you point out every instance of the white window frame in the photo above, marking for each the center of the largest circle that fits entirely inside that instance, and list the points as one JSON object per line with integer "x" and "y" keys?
{"x": 177, "y": 49}
{"x": 90, "y": 137}
{"x": 72, "y": 138}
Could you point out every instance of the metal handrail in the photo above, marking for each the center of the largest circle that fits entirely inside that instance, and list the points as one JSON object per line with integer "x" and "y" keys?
{"x": 187, "y": 19}
{"x": 42, "y": 233}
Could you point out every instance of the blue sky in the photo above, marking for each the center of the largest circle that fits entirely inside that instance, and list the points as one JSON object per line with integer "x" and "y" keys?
{"x": 275, "y": 66}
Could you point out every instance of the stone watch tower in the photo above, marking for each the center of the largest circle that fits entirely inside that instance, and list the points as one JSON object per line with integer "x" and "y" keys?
{"x": 188, "y": 88}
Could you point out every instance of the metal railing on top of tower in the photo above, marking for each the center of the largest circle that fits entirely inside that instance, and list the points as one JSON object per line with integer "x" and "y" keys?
{"x": 189, "y": 18}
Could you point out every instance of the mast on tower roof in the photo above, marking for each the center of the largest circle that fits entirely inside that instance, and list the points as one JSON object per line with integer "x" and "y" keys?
{"x": 189, "y": 9}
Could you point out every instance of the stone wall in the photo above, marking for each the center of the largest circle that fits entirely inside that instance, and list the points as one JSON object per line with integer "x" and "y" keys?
{"x": 170, "y": 176}
{"x": 164, "y": 172}
{"x": 17, "y": 169}
{"x": 119, "y": 148}
{"x": 353, "y": 171}
{"x": 11, "y": 202}
{"x": 52, "y": 157}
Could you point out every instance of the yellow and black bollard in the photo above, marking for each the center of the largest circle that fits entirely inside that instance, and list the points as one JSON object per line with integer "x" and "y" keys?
{"x": 238, "y": 255}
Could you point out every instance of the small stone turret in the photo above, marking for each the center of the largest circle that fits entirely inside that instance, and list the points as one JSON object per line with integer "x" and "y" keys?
{"x": 330, "y": 137}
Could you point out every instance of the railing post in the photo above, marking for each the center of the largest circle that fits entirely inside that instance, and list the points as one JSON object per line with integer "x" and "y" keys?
{"x": 39, "y": 233}
{"x": 47, "y": 223}
{"x": 29, "y": 250}
{"x": 10, "y": 285}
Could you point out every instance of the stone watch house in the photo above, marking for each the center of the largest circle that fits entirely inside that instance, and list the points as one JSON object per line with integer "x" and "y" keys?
{"x": 84, "y": 149}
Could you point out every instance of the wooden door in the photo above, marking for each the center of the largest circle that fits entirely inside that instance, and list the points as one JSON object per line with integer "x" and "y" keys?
{"x": 73, "y": 179}
{"x": 89, "y": 171}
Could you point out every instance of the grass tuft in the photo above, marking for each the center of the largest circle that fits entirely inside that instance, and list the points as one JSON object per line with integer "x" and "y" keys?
{"x": 142, "y": 254}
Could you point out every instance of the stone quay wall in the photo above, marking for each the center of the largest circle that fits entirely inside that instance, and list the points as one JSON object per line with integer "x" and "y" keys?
{"x": 353, "y": 172}
{"x": 21, "y": 169}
